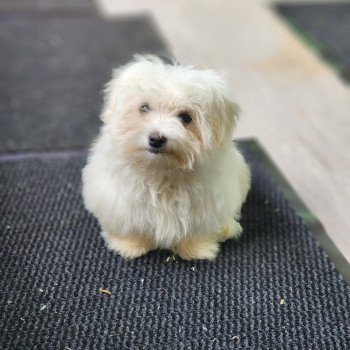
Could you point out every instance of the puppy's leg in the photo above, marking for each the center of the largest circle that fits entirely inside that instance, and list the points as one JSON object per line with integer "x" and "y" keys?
{"x": 131, "y": 246}
{"x": 230, "y": 230}
{"x": 197, "y": 247}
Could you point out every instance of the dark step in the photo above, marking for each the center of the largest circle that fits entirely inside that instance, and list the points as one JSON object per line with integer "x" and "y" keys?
{"x": 52, "y": 72}
{"x": 274, "y": 288}
{"x": 47, "y": 7}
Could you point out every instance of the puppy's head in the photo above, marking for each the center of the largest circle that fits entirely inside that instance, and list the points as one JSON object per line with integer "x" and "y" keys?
{"x": 165, "y": 115}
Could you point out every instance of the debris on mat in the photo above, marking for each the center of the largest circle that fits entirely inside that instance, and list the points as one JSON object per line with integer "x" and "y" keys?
{"x": 106, "y": 291}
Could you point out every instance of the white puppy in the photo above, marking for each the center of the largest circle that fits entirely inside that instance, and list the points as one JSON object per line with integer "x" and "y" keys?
{"x": 163, "y": 172}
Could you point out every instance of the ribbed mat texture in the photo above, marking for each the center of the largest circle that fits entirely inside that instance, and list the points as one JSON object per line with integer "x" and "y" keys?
{"x": 274, "y": 288}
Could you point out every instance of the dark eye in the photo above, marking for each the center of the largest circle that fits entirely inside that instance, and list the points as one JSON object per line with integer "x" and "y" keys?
{"x": 145, "y": 108}
{"x": 185, "y": 117}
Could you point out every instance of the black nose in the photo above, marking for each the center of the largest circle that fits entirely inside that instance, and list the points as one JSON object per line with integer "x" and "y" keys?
{"x": 156, "y": 141}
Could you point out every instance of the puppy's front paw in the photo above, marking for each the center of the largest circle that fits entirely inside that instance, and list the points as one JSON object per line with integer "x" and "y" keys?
{"x": 197, "y": 247}
{"x": 231, "y": 230}
{"x": 128, "y": 246}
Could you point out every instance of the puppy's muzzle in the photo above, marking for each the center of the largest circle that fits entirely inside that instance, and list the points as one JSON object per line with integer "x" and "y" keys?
{"x": 156, "y": 141}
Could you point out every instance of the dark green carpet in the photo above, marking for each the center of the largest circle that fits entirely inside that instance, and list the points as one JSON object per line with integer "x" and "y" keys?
{"x": 326, "y": 27}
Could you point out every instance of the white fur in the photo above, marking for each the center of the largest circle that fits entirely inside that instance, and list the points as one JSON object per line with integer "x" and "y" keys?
{"x": 196, "y": 186}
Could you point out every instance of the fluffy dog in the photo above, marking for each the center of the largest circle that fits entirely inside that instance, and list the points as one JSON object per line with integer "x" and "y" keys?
{"x": 164, "y": 173}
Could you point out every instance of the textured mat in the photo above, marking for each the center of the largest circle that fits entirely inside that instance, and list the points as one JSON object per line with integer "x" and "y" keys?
{"x": 47, "y": 6}
{"x": 273, "y": 289}
{"x": 327, "y": 27}
{"x": 51, "y": 74}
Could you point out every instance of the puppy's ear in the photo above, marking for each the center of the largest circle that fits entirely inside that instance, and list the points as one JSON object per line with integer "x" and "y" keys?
{"x": 223, "y": 111}
{"x": 225, "y": 116}
{"x": 111, "y": 92}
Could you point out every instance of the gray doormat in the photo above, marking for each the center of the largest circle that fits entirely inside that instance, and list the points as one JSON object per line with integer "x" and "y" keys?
{"x": 47, "y": 6}
{"x": 51, "y": 73}
{"x": 275, "y": 288}
{"x": 326, "y": 27}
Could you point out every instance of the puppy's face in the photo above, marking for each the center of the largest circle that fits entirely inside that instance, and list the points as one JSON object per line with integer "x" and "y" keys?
{"x": 167, "y": 116}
